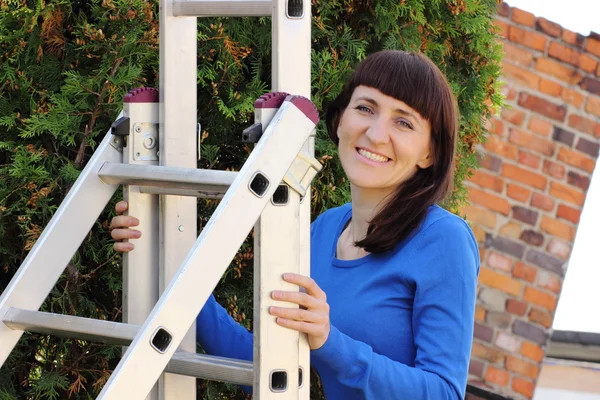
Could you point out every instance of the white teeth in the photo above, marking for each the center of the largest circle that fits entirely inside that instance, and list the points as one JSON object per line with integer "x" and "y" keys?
{"x": 371, "y": 156}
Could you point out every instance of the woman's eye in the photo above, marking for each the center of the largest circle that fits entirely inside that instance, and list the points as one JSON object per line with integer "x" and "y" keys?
{"x": 363, "y": 108}
{"x": 405, "y": 124}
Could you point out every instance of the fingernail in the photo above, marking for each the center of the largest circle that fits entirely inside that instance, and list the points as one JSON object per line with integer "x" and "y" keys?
{"x": 287, "y": 276}
{"x": 275, "y": 295}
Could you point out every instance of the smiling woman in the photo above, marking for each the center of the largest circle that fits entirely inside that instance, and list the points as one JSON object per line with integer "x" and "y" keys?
{"x": 389, "y": 306}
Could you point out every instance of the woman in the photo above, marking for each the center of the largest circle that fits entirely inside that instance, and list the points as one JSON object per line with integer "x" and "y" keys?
{"x": 390, "y": 305}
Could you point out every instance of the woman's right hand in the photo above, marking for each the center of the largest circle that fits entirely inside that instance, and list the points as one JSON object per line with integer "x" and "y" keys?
{"x": 120, "y": 229}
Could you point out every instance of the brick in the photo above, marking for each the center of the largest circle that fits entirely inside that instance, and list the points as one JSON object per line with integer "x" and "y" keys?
{"x": 497, "y": 376}
{"x": 516, "y": 307}
{"x": 498, "y": 319}
{"x": 563, "y": 136}
{"x": 523, "y": 17}
{"x": 530, "y": 332}
{"x": 501, "y": 148}
{"x": 533, "y": 238}
{"x": 563, "y": 53}
{"x": 548, "y": 27}
{"x": 498, "y": 281}
{"x": 480, "y": 313}
{"x": 583, "y": 124}
{"x": 524, "y": 176}
{"x": 530, "y": 39}
{"x": 569, "y": 213}
{"x": 476, "y": 368}
{"x": 540, "y": 298}
{"x": 540, "y": 201}
{"x": 495, "y": 126}
{"x": 593, "y": 46}
{"x": 545, "y": 261}
{"x": 559, "y": 249}
{"x": 542, "y": 106}
{"x": 567, "y": 193}
{"x": 493, "y": 300}
{"x": 573, "y": 97}
{"x": 531, "y": 141}
{"x": 509, "y": 92}
{"x": 491, "y": 201}
{"x": 528, "y": 159}
{"x": 503, "y": 28}
{"x": 487, "y": 180}
{"x": 505, "y": 245}
{"x": 578, "y": 180}
{"x": 524, "y": 271}
{"x": 522, "y": 367}
{"x": 573, "y": 38}
{"x": 540, "y": 317}
{"x": 554, "y": 169}
{"x": 532, "y": 351}
{"x": 549, "y": 281}
{"x": 591, "y": 85}
{"x": 487, "y": 353}
{"x": 550, "y": 87}
{"x": 517, "y": 55}
{"x": 498, "y": 261}
{"x": 480, "y": 216}
{"x": 520, "y": 75}
{"x": 588, "y": 147}
{"x": 576, "y": 159}
{"x": 479, "y": 233}
{"x": 557, "y": 228}
{"x": 518, "y": 192}
{"x": 511, "y": 230}
{"x": 587, "y": 63}
{"x": 489, "y": 162}
{"x": 513, "y": 116}
{"x": 558, "y": 70}
{"x": 523, "y": 386}
{"x": 525, "y": 215}
{"x": 539, "y": 126}
{"x": 593, "y": 106}
{"x": 483, "y": 332}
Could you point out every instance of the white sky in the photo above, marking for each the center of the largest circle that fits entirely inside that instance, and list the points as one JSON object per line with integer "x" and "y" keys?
{"x": 578, "y": 307}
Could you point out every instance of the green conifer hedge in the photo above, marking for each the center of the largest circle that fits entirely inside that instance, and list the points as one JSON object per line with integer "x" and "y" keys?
{"x": 64, "y": 68}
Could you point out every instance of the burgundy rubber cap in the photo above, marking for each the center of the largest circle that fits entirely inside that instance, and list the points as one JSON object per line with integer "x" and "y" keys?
{"x": 306, "y": 106}
{"x": 142, "y": 95}
{"x": 270, "y": 100}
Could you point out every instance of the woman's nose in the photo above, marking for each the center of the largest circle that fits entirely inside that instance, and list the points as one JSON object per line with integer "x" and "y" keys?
{"x": 378, "y": 132}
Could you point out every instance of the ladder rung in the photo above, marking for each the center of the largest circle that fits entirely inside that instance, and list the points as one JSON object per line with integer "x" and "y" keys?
{"x": 211, "y": 367}
{"x": 169, "y": 180}
{"x": 191, "y": 364}
{"x": 222, "y": 8}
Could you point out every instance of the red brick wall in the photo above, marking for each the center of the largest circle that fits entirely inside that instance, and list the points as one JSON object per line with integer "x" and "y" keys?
{"x": 526, "y": 199}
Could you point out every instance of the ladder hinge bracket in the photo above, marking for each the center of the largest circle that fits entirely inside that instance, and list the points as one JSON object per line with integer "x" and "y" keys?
{"x": 145, "y": 141}
{"x": 300, "y": 175}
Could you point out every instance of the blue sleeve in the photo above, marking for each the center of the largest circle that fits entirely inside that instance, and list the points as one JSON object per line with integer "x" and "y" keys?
{"x": 220, "y": 335}
{"x": 447, "y": 259}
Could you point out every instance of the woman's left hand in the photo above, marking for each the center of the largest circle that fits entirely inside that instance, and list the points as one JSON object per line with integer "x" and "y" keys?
{"x": 312, "y": 317}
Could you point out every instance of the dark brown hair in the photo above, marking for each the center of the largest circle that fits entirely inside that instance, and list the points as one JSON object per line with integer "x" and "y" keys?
{"x": 415, "y": 80}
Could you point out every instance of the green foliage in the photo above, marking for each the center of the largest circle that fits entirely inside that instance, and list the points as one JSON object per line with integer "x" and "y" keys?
{"x": 64, "y": 68}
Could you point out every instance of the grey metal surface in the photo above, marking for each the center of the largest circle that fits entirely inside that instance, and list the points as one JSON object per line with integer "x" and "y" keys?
{"x": 223, "y": 8}
{"x": 211, "y": 367}
{"x": 167, "y": 180}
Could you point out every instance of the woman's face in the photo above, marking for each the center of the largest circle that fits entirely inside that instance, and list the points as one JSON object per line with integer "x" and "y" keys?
{"x": 382, "y": 141}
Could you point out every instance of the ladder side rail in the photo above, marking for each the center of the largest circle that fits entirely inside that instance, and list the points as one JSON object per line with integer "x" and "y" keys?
{"x": 216, "y": 246}
{"x": 177, "y": 136}
{"x": 140, "y": 267}
{"x": 291, "y": 60}
{"x": 66, "y": 230}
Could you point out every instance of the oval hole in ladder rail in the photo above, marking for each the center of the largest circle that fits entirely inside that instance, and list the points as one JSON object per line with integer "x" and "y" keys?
{"x": 281, "y": 195}
{"x": 259, "y": 184}
{"x": 279, "y": 381}
{"x": 161, "y": 340}
{"x": 295, "y": 8}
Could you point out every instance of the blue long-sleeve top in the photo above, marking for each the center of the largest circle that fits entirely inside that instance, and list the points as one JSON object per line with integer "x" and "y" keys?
{"x": 401, "y": 322}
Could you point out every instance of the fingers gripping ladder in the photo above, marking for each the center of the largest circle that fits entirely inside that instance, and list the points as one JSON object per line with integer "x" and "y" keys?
{"x": 170, "y": 275}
